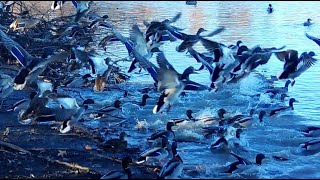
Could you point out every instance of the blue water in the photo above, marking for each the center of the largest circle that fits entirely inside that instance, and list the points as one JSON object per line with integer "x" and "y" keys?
{"x": 249, "y": 22}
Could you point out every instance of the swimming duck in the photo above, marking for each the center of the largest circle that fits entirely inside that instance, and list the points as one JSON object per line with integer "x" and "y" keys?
{"x": 173, "y": 168}
{"x": 308, "y": 22}
{"x": 294, "y": 66}
{"x": 270, "y": 9}
{"x": 227, "y": 142}
{"x": 311, "y": 131}
{"x": 6, "y": 87}
{"x": 191, "y": 2}
{"x": 23, "y": 23}
{"x": 233, "y": 166}
{"x": 117, "y": 144}
{"x": 168, "y": 133}
{"x": 110, "y": 108}
{"x": 311, "y": 145}
{"x": 156, "y": 153}
{"x": 281, "y": 109}
{"x": 248, "y": 121}
{"x": 125, "y": 174}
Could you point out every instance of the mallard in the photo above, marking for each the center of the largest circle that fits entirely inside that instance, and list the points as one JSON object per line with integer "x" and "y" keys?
{"x": 233, "y": 166}
{"x": 173, "y": 168}
{"x": 117, "y": 144}
{"x": 311, "y": 145}
{"x": 190, "y": 40}
{"x": 155, "y": 154}
{"x": 308, "y": 22}
{"x": 168, "y": 133}
{"x": 294, "y": 66}
{"x": 282, "y": 109}
{"x": 125, "y": 174}
{"x": 270, "y": 9}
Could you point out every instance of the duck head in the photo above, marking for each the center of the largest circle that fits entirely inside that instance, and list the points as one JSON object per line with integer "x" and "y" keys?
{"x": 169, "y": 125}
{"x": 291, "y": 101}
{"x": 270, "y": 5}
{"x": 200, "y": 31}
{"x": 145, "y": 97}
{"x": 221, "y": 113}
{"x": 261, "y": 115}
{"x": 259, "y": 158}
{"x": 311, "y": 53}
{"x": 188, "y": 71}
{"x": 309, "y": 20}
{"x": 238, "y": 43}
{"x": 123, "y": 136}
{"x": 117, "y": 103}
{"x": 189, "y": 114}
{"x": 287, "y": 84}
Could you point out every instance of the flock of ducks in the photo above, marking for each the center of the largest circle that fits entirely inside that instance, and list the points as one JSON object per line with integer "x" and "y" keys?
{"x": 226, "y": 64}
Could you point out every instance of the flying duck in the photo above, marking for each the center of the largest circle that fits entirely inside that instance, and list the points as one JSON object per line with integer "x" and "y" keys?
{"x": 125, "y": 174}
{"x": 281, "y": 109}
{"x": 72, "y": 121}
{"x": 190, "y": 40}
{"x": 294, "y": 66}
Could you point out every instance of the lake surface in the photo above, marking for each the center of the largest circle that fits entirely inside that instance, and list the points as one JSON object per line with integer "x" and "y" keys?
{"x": 249, "y": 22}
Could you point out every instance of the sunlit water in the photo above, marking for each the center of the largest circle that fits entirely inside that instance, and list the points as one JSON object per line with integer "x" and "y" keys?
{"x": 247, "y": 21}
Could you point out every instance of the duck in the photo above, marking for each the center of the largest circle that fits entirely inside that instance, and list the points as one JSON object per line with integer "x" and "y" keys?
{"x": 155, "y": 27}
{"x": 294, "y": 66}
{"x": 311, "y": 145}
{"x": 82, "y": 8}
{"x": 233, "y": 166}
{"x": 248, "y": 121}
{"x": 227, "y": 142}
{"x": 169, "y": 84}
{"x": 110, "y": 108}
{"x": 6, "y": 87}
{"x": 281, "y": 109}
{"x": 280, "y": 90}
{"x": 57, "y": 5}
{"x": 24, "y": 23}
{"x": 168, "y": 133}
{"x": 65, "y": 101}
{"x": 68, "y": 123}
{"x": 155, "y": 154}
{"x": 125, "y": 174}
{"x": 190, "y": 40}
{"x": 311, "y": 131}
{"x": 173, "y": 168}
{"x": 308, "y": 22}
{"x": 235, "y": 48}
{"x": 117, "y": 144}
{"x": 270, "y": 9}
{"x": 23, "y": 103}
{"x": 191, "y": 2}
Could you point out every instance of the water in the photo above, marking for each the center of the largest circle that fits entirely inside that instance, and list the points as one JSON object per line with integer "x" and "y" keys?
{"x": 249, "y": 22}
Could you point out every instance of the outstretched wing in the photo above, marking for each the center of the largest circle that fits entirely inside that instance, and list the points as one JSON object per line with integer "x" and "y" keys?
{"x": 15, "y": 49}
{"x": 314, "y": 39}
{"x": 215, "y": 32}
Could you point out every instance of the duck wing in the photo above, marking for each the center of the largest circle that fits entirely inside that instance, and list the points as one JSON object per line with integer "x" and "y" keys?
{"x": 314, "y": 39}
{"x": 240, "y": 159}
{"x": 215, "y": 32}
{"x": 15, "y": 49}
{"x": 289, "y": 54}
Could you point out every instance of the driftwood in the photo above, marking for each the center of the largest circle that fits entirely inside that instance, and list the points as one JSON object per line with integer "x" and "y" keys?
{"x": 15, "y": 147}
